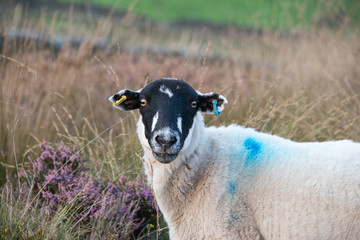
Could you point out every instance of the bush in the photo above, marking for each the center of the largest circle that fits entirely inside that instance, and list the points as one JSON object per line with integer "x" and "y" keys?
{"x": 62, "y": 180}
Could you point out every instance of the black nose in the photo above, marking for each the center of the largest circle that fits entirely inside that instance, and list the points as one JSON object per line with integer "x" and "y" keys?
{"x": 166, "y": 141}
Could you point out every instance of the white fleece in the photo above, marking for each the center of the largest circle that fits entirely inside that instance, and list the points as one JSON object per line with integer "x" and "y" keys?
{"x": 236, "y": 183}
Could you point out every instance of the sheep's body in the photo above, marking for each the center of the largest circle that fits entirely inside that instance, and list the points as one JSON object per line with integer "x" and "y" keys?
{"x": 236, "y": 183}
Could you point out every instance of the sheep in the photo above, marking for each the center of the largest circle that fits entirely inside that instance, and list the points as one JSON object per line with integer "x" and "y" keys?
{"x": 234, "y": 182}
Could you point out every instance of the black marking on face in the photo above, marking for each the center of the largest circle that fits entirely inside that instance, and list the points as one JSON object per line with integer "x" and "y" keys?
{"x": 168, "y": 116}
{"x": 168, "y": 107}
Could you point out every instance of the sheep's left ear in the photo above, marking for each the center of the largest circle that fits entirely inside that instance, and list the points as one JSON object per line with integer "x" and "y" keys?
{"x": 206, "y": 102}
{"x": 126, "y": 100}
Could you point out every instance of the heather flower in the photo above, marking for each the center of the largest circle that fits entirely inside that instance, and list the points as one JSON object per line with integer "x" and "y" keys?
{"x": 61, "y": 176}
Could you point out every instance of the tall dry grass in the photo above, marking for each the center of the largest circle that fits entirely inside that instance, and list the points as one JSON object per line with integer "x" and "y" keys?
{"x": 303, "y": 86}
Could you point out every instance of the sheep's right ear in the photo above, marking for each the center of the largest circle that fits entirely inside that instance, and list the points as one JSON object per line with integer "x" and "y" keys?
{"x": 126, "y": 100}
{"x": 206, "y": 102}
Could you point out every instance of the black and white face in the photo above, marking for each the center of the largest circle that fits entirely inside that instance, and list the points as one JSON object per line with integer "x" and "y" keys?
{"x": 168, "y": 108}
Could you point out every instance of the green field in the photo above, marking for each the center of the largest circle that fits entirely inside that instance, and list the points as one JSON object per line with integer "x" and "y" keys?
{"x": 302, "y": 85}
{"x": 276, "y": 14}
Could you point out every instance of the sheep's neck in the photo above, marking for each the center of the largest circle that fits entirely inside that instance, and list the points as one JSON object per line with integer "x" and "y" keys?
{"x": 174, "y": 184}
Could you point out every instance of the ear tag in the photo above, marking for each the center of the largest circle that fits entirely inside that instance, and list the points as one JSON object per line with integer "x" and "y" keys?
{"x": 216, "y": 111}
{"x": 118, "y": 102}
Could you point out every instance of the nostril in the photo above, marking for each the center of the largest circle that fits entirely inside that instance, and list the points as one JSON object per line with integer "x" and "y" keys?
{"x": 172, "y": 141}
{"x": 165, "y": 142}
{"x": 160, "y": 140}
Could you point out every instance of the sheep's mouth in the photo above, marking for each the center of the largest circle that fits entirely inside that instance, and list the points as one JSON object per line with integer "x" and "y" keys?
{"x": 165, "y": 157}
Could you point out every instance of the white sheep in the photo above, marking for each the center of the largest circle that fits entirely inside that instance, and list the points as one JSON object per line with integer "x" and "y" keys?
{"x": 237, "y": 183}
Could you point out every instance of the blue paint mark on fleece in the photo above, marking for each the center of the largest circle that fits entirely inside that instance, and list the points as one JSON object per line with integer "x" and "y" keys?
{"x": 253, "y": 149}
{"x": 233, "y": 217}
{"x": 232, "y": 188}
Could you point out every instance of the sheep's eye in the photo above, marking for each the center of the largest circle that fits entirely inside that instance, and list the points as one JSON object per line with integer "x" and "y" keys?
{"x": 194, "y": 104}
{"x": 143, "y": 102}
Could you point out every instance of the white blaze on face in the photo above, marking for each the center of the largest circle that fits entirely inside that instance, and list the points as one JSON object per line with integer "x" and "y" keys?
{"x": 194, "y": 135}
{"x": 154, "y": 121}
{"x": 141, "y": 133}
{"x": 179, "y": 124}
{"x": 166, "y": 90}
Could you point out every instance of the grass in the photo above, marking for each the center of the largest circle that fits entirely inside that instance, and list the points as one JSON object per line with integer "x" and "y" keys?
{"x": 303, "y": 86}
{"x": 278, "y": 14}
{"x": 36, "y": 224}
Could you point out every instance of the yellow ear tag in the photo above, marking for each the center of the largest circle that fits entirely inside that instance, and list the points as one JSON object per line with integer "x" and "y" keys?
{"x": 118, "y": 102}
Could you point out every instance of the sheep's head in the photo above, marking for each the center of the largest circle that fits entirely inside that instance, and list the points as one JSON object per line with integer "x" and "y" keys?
{"x": 168, "y": 108}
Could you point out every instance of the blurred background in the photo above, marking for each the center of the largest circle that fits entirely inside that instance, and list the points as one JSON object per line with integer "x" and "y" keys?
{"x": 287, "y": 67}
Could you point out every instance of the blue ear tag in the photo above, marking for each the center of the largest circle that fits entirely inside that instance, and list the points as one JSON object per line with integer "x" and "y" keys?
{"x": 216, "y": 111}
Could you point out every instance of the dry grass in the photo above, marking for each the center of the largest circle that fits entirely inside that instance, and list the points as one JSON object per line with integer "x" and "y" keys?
{"x": 303, "y": 86}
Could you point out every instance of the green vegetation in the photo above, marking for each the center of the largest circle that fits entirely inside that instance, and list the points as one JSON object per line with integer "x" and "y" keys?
{"x": 275, "y": 14}
{"x": 303, "y": 86}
